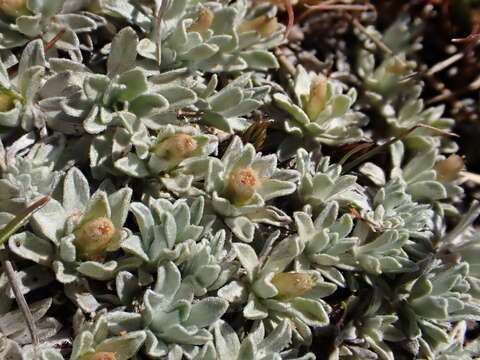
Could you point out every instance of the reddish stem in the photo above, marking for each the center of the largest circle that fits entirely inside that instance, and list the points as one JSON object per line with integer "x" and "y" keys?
{"x": 291, "y": 17}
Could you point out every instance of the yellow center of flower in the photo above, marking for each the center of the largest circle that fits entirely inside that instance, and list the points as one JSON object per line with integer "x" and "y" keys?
{"x": 241, "y": 186}
{"x": 176, "y": 148}
{"x": 449, "y": 168}
{"x": 93, "y": 237}
{"x": 101, "y": 356}
{"x": 6, "y": 102}
{"x": 204, "y": 21}
{"x": 13, "y": 8}
{"x": 292, "y": 284}
{"x": 317, "y": 97}
{"x": 264, "y": 25}
{"x": 397, "y": 67}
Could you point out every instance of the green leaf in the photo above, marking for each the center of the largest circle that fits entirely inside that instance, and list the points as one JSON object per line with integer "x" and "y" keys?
{"x": 284, "y": 103}
{"x": 226, "y": 341}
{"x": 247, "y": 257}
{"x": 132, "y": 165}
{"x": 83, "y": 344}
{"x": 201, "y": 52}
{"x": 175, "y": 9}
{"x": 30, "y": 25}
{"x": 427, "y": 190}
{"x": 205, "y": 312}
{"x": 21, "y": 219}
{"x": 272, "y": 188}
{"x": 177, "y": 96}
{"x": 98, "y": 207}
{"x": 119, "y": 203}
{"x": 225, "y": 99}
{"x": 76, "y": 192}
{"x": 97, "y": 270}
{"x": 278, "y": 339}
{"x": 242, "y": 227}
{"x": 312, "y": 310}
{"x": 47, "y": 8}
{"x": 260, "y": 60}
{"x": 247, "y": 350}
{"x": 32, "y": 247}
{"x": 422, "y": 287}
{"x": 431, "y": 307}
{"x": 136, "y": 83}
{"x": 77, "y": 22}
{"x": 123, "y": 52}
{"x": 148, "y": 104}
{"x": 4, "y": 78}
{"x": 283, "y": 253}
{"x": 124, "y": 347}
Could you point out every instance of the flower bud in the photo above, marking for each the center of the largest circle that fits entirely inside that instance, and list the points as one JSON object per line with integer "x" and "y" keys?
{"x": 449, "y": 168}
{"x": 204, "y": 21}
{"x": 317, "y": 97}
{"x": 241, "y": 185}
{"x": 264, "y": 25}
{"x": 176, "y": 148}
{"x": 93, "y": 237}
{"x": 6, "y": 102}
{"x": 13, "y": 8}
{"x": 397, "y": 67}
{"x": 292, "y": 284}
{"x": 100, "y": 356}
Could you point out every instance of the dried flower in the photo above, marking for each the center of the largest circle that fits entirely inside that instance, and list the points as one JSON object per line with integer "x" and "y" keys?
{"x": 317, "y": 97}
{"x": 449, "y": 168}
{"x": 204, "y": 21}
{"x": 264, "y": 25}
{"x": 13, "y": 8}
{"x": 241, "y": 185}
{"x": 398, "y": 67}
{"x": 93, "y": 237}
{"x": 292, "y": 284}
{"x": 6, "y": 102}
{"x": 101, "y": 356}
{"x": 176, "y": 148}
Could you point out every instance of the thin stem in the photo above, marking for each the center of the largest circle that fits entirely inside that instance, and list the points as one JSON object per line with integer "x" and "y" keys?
{"x": 5, "y": 233}
{"x": 341, "y": 7}
{"x": 445, "y": 63}
{"x": 446, "y": 95}
{"x": 21, "y": 218}
{"x": 376, "y": 40}
{"x": 333, "y": 5}
{"x": 354, "y": 151}
{"x": 291, "y": 17}
{"x": 354, "y": 163}
{"x": 22, "y": 303}
{"x": 55, "y": 39}
{"x": 473, "y": 177}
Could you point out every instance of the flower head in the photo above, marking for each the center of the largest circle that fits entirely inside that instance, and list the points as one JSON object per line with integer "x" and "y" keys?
{"x": 317, "y": 97}
{"x": 449, "y": 168}
{"x": 292, "y": 284}
{"x": 101, "y": 356}
{"x": 93, "y": 237}
{"x": 264, "y": 25}
{"x": 176, "y": 148}
{"x": 6, "y": 102}
{"x": 13, "y": 8}
{"x": 241, "y": 185}
{"x": 204, "y": 21}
